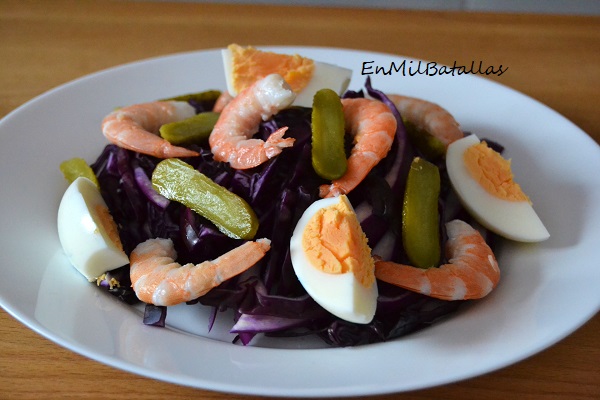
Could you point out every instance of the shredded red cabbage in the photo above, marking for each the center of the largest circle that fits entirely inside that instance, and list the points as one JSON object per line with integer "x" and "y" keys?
{"x": 273, "y": 302}
{"x": 155, "y": 315}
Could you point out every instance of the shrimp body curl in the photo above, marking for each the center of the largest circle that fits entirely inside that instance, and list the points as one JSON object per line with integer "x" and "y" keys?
{"x": 373, "y": 127}
{"x": 231, "y": 139}
{"x": 136, "y": 127}
{"x": 157, "y": 279}
{"x": 429, "y": 117}
{"x": 472, "y": 271}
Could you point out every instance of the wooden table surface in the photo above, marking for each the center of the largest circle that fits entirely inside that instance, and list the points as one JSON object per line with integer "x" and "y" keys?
{"x": 554, "y": 59}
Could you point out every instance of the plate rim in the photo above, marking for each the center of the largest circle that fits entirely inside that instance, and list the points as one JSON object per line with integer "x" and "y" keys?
{"x": 124, "y": 365}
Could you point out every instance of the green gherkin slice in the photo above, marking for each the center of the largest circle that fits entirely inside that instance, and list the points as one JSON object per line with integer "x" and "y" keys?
{"x": 328, "y": 152}
{"x": 194, "y": 130}
{"x": 179, "y": 181}
{"x": 420, "y": 216}
{"x": 77, "y": 167}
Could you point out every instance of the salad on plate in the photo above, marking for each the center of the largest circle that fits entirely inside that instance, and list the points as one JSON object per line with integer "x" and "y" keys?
{"x": 297, "y": 205}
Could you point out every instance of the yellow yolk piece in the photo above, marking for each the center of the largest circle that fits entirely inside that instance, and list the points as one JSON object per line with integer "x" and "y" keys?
{"x": 334, "y": 242}
{"x": 109, "y": 225}
{"x": 250, "y": 64}
{"x": 493, "y": 172}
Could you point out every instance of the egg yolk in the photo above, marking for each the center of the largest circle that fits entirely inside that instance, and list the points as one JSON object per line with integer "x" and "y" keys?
{"x": 108, "y": 224}
{"x": 493, "y": 172}
{"x": 334, "y": 242}
{"x": 250, "y": 64}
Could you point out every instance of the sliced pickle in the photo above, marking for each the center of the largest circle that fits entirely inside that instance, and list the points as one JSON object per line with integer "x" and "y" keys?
{"x": 420, "y": 215}
{"x": 76, "y": 167}
{"x": 179, "y": 181}
{"x": 328, "y": 153}
{"x": 194, "y": 130}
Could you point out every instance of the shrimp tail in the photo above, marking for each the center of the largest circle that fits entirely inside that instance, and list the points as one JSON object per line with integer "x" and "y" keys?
{"x": 275, "y": 142}
{"x": 472, "y": 271}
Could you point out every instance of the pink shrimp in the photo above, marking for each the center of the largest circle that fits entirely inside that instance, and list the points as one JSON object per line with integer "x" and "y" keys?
{"x": 231, "y": 139}
{"x": 429, "y": 117}
{"x": 472, "y": 271}
{"x": 373, "y": 126}
{"x": 136, "y": 127}
{"x": 157, "y": 279}
{"x": 223, "y": 99}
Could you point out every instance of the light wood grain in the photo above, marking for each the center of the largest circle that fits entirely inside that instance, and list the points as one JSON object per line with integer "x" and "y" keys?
{"x": 553, "y": 59}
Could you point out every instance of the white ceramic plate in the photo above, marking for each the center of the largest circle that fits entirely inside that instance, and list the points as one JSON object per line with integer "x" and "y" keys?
{"x": 546, "y": 292}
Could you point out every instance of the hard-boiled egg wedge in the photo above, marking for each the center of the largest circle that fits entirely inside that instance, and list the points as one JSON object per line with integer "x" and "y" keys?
{"x": 332, "y": 260}
{"x": 87, "y": 232}
{"x": 245, "y": 65}
{"x": 484, "y": 182}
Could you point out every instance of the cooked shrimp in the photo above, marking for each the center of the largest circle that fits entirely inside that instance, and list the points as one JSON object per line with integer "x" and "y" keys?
{"x": 373, "y": 126}
{"x": 136, "y": 127}
{"x": 231, "y": 139}
{"x": 157, "y": 279}
{"x": 429, "y": 117}
{"x": 472, "y": 271}
{"x": 223, "y": 99}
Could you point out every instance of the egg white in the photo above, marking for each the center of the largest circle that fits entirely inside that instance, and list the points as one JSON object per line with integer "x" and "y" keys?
{"x": 515, "y": 220}
{"x": 324, "y": 76}
{"x": 340, "y": 294}
{"x": 84, "y": 240}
